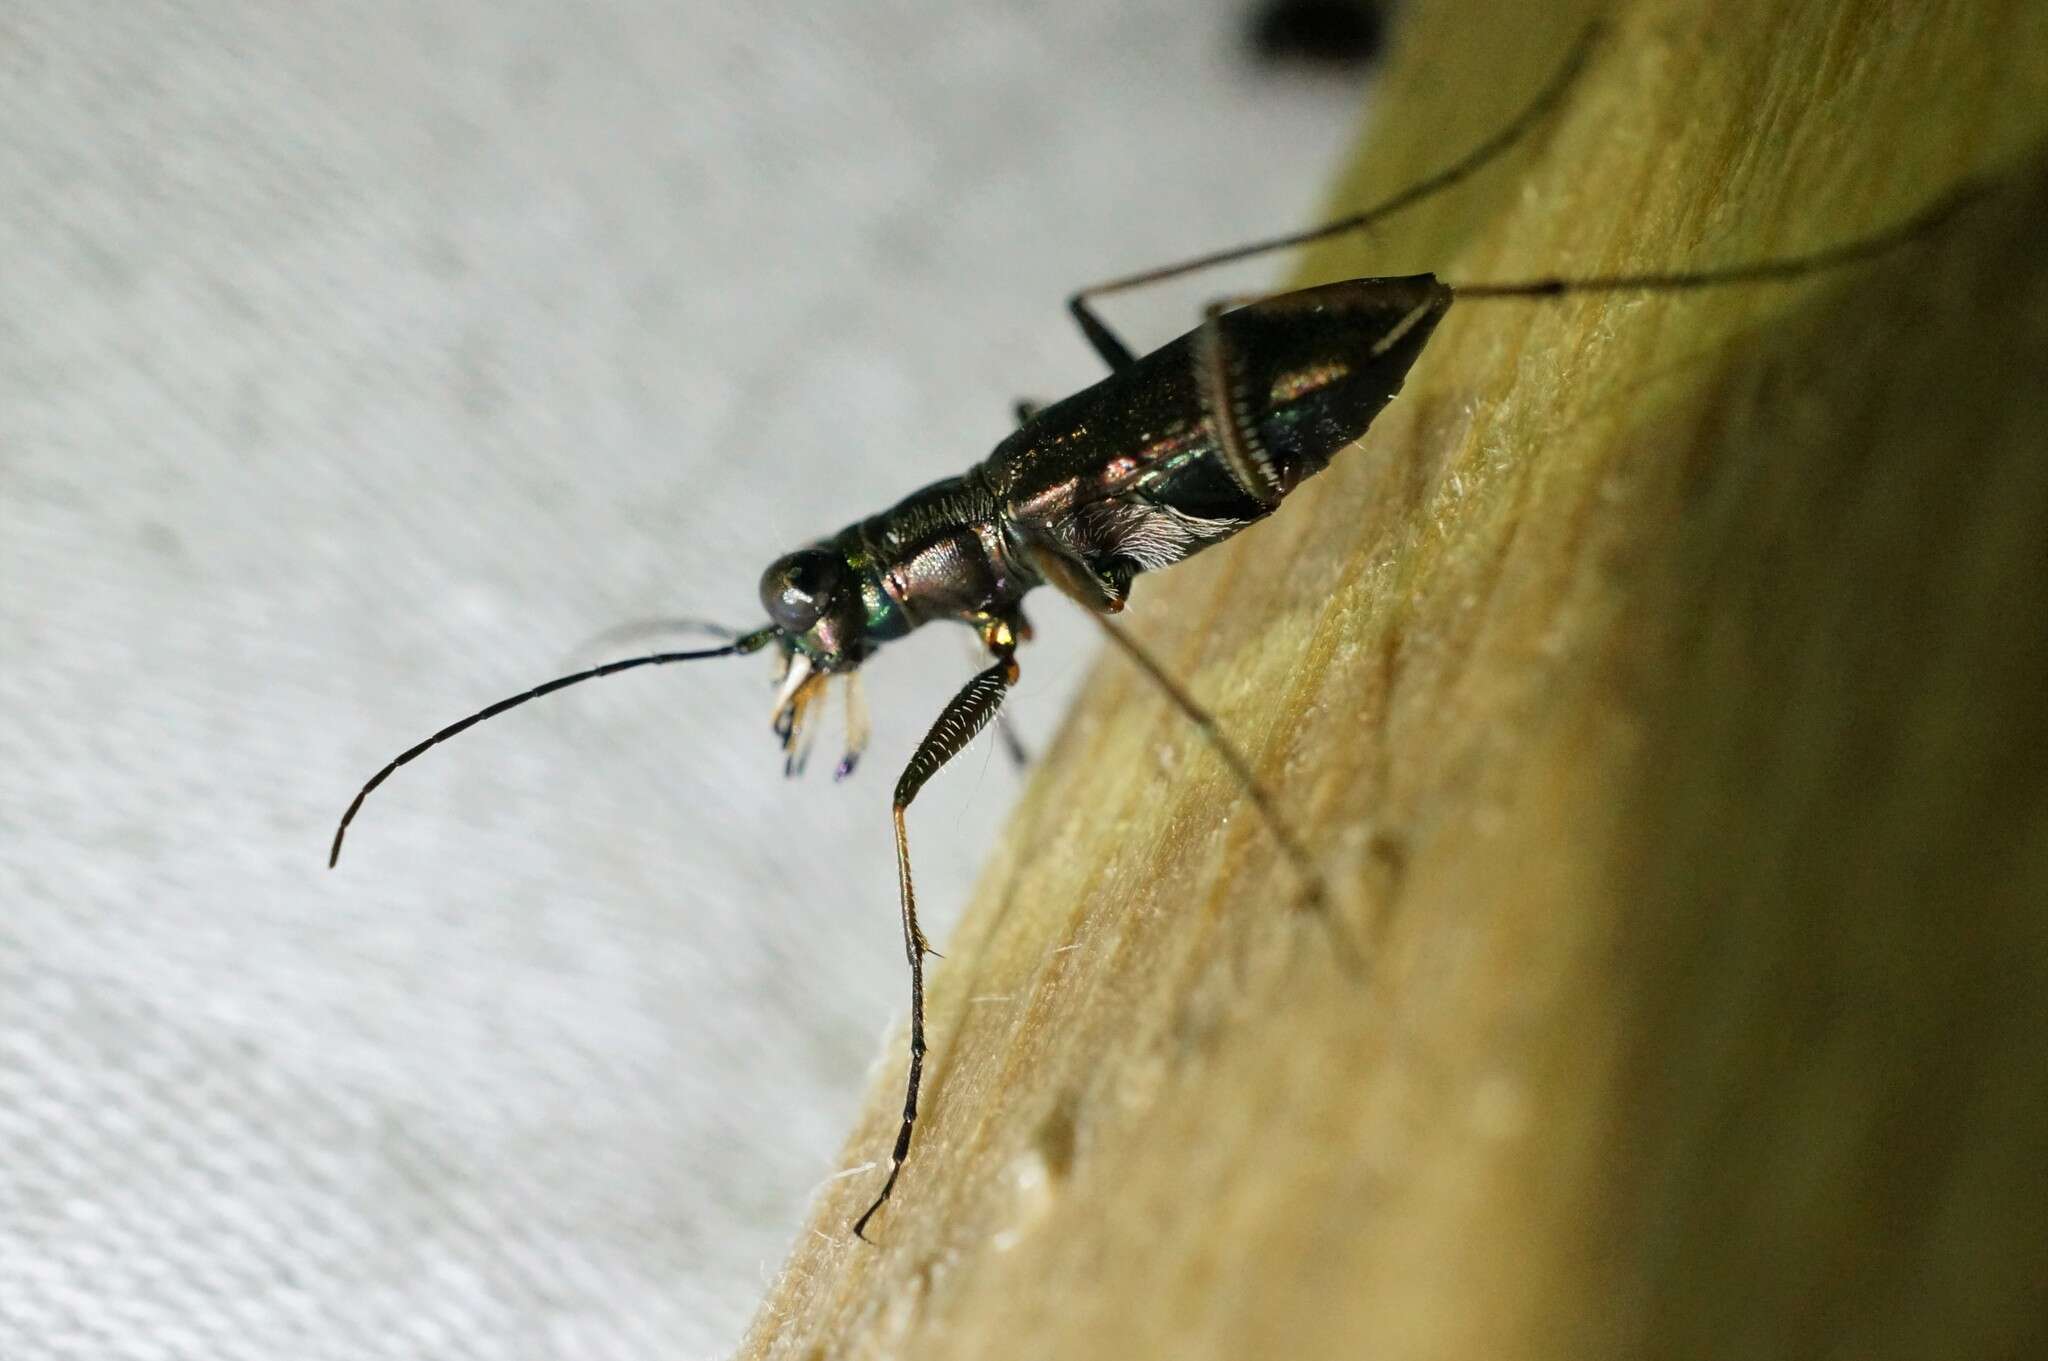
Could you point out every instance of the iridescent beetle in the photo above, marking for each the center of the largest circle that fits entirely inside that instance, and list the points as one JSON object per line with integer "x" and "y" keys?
{"x": 1172, "y": 452}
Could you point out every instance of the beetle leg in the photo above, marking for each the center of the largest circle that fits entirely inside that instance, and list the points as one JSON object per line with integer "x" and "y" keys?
{"x": 1026, "y": 409}
{"x": 964, "y": 716}
{"x": 994, "y": 639}
{"x": 1077, "y": 581}
{"x": 1114, "y": 352}
{"x": 1070, "y": 578}
{"x": 1118, "y": 355}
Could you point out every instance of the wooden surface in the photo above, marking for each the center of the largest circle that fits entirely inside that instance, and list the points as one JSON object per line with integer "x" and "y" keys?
{"x": 1661, "y": 683}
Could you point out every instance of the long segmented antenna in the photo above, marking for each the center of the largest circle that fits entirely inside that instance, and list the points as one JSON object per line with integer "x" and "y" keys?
{"x": 653, "y": 628}
{"x": 1757, "y": 271}
{"x": 751, "y": 642}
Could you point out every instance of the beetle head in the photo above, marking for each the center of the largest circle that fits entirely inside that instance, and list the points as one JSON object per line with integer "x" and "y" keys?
{"x": 814, "y": 596}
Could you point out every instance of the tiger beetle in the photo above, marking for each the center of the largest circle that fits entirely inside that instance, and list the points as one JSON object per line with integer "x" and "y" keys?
{"x": 1174, "y": 451}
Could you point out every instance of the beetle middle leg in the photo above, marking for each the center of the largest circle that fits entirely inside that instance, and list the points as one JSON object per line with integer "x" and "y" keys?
{"x": 957, "y": 724}
{"x": 1013, "y": 746}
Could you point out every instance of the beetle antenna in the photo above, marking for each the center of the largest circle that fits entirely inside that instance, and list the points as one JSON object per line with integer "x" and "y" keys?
{"x": 643, "y": 632}
{"x": 1923, "y": 223}
{"x": 654, "y": 628}
{"x": 751, "y": 642}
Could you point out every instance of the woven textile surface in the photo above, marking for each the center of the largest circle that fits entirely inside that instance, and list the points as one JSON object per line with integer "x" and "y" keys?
{"x": 357, "y": 363}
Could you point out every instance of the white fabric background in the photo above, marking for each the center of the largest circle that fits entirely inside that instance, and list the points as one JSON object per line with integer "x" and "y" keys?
{"x": 357, "y": 361}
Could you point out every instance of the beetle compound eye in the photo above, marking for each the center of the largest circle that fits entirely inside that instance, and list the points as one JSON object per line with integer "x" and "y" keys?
{"x": 797, "y": 590}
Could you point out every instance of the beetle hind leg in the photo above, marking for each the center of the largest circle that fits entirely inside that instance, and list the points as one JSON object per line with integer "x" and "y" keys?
{"x": 1090, "y": 592}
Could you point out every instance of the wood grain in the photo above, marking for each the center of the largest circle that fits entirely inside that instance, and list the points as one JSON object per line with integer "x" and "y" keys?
{"x": 1661, "y": 684}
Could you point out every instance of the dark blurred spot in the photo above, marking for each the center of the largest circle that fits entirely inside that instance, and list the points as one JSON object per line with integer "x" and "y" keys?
{"x": 160, "y": 539}
{"x": 1323, "y": 33}
{"x": 1057, "y": 1139}
{"x": 441, "y": 256}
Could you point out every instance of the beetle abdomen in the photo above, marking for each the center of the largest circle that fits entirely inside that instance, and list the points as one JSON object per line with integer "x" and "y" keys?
{"x": 1307, "y": 372}
{"x": 1132, "y": 474}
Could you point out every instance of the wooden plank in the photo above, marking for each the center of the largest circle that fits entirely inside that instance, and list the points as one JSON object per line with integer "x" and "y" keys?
{"x": 1661, "y": 684}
